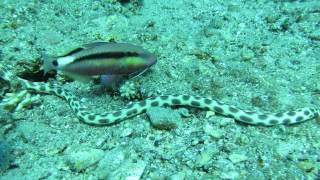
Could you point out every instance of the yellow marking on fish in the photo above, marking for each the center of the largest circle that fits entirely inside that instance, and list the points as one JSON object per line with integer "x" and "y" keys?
{"x": 133, "y": 61}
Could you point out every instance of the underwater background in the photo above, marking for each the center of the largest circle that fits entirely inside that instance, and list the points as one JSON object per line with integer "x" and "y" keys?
{"x": 261, "y": 55}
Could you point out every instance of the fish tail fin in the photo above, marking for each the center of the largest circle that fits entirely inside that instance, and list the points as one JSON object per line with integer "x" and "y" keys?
{"x": 48, "y": 63}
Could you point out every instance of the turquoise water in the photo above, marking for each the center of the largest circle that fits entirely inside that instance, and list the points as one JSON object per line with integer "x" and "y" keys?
{"x": 259, "y": 55}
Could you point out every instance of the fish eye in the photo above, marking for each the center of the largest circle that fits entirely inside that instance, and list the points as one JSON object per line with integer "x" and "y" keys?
{"x": 55, "y": 63}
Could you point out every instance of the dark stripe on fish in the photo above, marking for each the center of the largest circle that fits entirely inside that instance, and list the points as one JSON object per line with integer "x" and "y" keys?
{"x": 108, "y": 55}
{"x": 74, "y": 51}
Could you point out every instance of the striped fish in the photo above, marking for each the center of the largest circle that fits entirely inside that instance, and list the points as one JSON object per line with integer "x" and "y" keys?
{"x": 101, "y": 58}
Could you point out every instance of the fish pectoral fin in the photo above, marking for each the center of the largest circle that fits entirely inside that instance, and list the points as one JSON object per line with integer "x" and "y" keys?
{"x": 137, "y": 73}
{"x": 110, "y": 80}
{"x": 81, "y": 78}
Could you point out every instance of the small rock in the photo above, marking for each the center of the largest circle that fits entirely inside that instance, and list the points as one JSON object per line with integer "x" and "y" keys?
{"x": 5, "y": 116}
{"x": 126, "y": 132}
{"x": 164, "y": 118}
{"x": 5, "y": 156}
{"x": 210, "y": 114}
{"x": 184, "y": 112}
{"x": 213, "y": 132}
{"x": 307, "y": 166}
{"x": 315, "y": 35}
{"x": 203, "y": 159}
{"x": 230, "y": 175}
{"x": 32, "y": 130}
{"x": 236, "y": 158}
{"x": 247, "y": 54}
{"x": 118, "y": 164}
{"x": 195, "y": 142}
{"x": 133, "y": 170}
{"x": 111, "y": 161}
{"x": 100, "y": 142}
{"x": 178, "y": 176}
{"x": 284, "y": 149}
{"x": 80, "y": 158}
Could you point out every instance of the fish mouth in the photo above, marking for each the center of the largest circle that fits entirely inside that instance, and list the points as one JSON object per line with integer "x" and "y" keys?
{"x": 151, "y": 59}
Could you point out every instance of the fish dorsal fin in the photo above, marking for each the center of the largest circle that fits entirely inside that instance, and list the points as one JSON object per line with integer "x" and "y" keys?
{"x": 86, "y": 49}
{"x": 108, "y": 47}
{"x": 85, "y": 46}
{"x": 111, "y": 47}
{"x": 94, "y": 44}
{"x": 73, "y": 51}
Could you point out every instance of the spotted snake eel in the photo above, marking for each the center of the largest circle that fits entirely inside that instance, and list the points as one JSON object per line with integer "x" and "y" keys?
{"x": 133, "y": 109}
